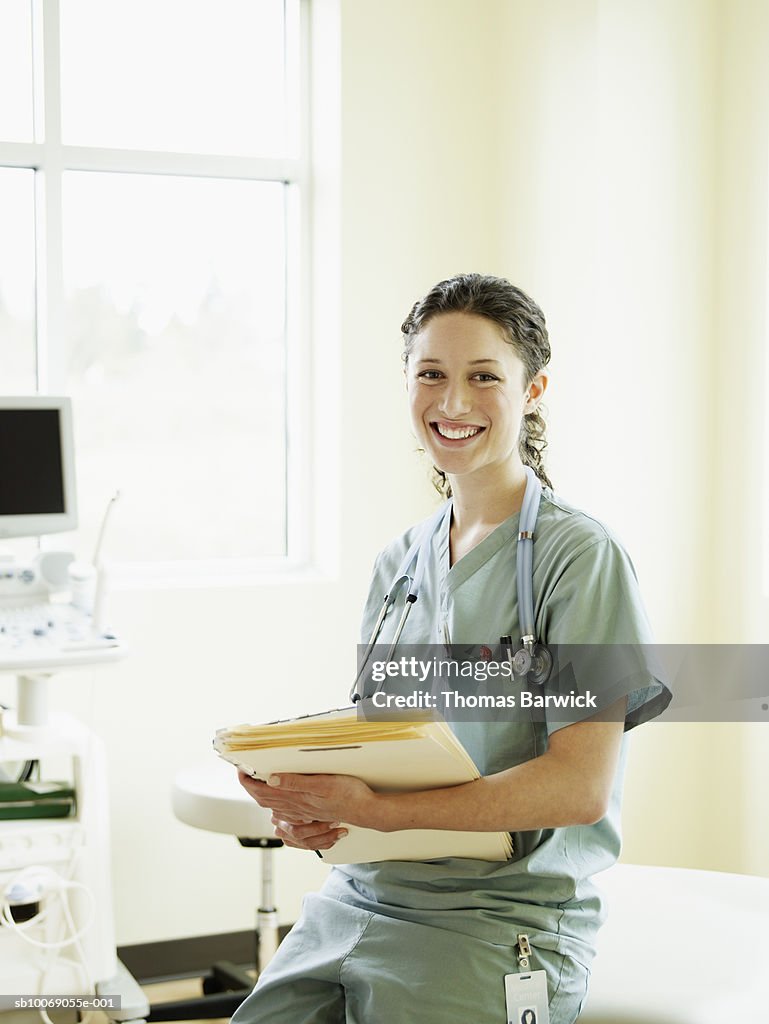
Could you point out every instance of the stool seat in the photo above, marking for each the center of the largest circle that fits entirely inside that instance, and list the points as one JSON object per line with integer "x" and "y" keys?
{"x": 680, "y": 946}
{"x": 207, "y": 795}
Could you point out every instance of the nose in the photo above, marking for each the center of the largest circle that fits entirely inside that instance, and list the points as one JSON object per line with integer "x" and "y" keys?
{"x": 456, "y": 400}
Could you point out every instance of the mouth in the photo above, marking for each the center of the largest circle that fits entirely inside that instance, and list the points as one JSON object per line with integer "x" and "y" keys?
{"x": 455, "y": 434}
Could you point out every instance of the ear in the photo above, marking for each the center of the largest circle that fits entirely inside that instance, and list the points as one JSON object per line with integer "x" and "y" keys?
{"x": 536, "y": 390}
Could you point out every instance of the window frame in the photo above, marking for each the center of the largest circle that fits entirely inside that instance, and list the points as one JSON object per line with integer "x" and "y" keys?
{"x": 50, "y": 158}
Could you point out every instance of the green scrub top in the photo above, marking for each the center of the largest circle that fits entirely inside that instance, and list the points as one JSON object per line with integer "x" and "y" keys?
{"x": 585, "y": 592}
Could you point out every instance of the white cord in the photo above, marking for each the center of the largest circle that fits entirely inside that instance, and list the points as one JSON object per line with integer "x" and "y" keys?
{"x": 52, "y": 884}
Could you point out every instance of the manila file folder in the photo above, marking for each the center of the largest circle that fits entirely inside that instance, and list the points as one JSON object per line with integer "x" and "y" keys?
{"x": 390, "y": 756}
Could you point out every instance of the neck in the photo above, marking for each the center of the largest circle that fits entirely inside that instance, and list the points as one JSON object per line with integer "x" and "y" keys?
{"x": 479, "y": 503}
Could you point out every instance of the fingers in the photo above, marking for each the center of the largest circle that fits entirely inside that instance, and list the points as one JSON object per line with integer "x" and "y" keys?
{"x": 300, "y": 799}
{"x": 292, "y": 807}
{"x": 248, "y": 783}
{"x": 313, "y": 835}
{"x": 300, "y": 783}
{"x": 323, "y": 841}
{"x": 265, "y": 795}
{"x": 277, "y": 787}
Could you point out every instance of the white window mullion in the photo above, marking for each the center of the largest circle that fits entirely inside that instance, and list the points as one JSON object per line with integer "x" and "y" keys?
{"x": 20, "y": 154}
{"x": 194, "y": 165}
{"x": 299, "y": 414}
{"x": 51, "y": 357}
{"x": 295, "y": 73}
{"x": 301, "y": 485}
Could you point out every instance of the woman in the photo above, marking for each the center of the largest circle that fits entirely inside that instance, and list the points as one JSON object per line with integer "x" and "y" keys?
{"x": 433, "y": 941}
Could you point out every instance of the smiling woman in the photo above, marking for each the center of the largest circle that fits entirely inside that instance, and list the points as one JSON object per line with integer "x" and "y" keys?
{"x": 449, "y": 933}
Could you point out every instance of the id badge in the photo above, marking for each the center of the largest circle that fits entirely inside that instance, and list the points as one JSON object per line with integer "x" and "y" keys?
{"x": 526, "y": 998}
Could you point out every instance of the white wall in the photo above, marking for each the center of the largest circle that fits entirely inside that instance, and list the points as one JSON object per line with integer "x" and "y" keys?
{"x": 611, "y": 219}
{"x": 646, "y": 238}
{"x": 579, "y": 148}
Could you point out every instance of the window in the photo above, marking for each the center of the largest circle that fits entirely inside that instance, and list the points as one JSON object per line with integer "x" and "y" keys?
{"x": 17, "y": 279}
{"x": 153, "y": 182}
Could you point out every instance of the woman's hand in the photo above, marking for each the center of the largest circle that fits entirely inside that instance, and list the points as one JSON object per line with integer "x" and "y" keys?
{"x": 314, "y": 835}
{"x": 307, "y": 809}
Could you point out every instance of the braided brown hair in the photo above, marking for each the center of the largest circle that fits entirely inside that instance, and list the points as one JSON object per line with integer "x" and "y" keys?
{"x": 523, "y": 326}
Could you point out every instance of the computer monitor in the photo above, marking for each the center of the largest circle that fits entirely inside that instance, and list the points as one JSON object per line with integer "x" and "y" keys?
{"x": 37, "y": 466}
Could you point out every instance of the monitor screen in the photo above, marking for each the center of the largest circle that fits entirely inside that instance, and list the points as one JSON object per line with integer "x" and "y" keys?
{"x": 37, "y": 475}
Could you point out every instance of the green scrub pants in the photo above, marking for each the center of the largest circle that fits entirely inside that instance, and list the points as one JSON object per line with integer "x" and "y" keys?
{"x": 341, "y": 964}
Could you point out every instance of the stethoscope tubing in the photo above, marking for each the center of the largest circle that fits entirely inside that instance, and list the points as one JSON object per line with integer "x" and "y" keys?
{"x": 525, "y": 555}
{"x": 418, "y": 549}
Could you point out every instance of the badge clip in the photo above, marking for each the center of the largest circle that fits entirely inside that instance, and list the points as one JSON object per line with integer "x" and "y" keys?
{"x": 524, "y": 952}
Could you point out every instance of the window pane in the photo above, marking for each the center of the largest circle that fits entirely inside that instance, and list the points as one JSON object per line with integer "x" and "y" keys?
{"x": 17, "y": 281}
{"x": 176, "y": 362}
{"x": 15, "y": 71}
{"x": 202, "y": 76}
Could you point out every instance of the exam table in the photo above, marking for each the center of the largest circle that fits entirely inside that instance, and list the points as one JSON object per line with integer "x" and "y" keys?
{"x": 680, "y": 946}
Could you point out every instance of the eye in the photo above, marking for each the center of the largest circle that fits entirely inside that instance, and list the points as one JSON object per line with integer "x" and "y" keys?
{"x": 486, "y": 378}
{"x": 429, "y": 375}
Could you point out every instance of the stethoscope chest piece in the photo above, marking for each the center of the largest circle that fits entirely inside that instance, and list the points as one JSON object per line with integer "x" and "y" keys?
{"x": 535, "y": 665}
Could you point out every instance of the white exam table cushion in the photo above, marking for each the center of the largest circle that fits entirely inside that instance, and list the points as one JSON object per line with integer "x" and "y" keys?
{"x": 680, "y": 946}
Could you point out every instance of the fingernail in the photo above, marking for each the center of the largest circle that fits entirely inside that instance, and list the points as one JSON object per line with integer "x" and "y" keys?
{"x": 273, "y": 780}
{"x": 343, "y": 832}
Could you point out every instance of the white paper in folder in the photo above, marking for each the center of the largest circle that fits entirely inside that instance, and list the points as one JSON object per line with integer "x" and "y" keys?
{"x": 390, "y": 756}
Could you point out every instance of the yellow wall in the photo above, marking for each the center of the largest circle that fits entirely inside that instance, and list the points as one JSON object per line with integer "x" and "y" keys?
{"x": 741, "y": 357}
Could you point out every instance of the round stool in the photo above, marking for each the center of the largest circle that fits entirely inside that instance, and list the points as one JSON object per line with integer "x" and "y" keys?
{"x": 207, "y": 795}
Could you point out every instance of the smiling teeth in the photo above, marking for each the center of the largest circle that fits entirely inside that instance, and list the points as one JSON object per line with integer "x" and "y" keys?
{"x": 458, "y": 433}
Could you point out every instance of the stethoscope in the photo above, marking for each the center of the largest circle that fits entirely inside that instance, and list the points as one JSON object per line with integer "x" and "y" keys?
{"x": 532, "y": 660}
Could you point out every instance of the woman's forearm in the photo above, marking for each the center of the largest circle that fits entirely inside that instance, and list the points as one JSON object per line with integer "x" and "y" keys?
{"x": 570, "y": 784}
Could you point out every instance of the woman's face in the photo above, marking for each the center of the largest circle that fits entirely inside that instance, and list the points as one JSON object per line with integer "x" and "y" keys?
{"x": 467, "y": 396}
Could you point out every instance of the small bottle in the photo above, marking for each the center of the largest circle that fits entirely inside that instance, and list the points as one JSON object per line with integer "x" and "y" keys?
{"x": 82, "y": 582}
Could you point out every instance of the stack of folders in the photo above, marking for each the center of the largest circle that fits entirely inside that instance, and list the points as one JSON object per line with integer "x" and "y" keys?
{"x": 390, "y": 756}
